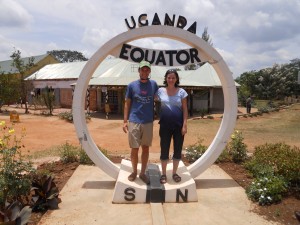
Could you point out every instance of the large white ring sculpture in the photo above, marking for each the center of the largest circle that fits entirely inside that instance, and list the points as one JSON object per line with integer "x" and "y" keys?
{"x": 207, "y": 53}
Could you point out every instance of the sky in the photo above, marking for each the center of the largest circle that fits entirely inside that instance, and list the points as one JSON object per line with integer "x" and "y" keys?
{"x": 249, "y": 35}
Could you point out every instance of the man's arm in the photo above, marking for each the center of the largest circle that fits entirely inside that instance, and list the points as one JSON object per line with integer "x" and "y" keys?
{"x": 126, "y": 114}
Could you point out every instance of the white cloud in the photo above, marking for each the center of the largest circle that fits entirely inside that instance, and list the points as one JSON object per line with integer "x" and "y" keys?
{"x": 192, "y": 8}
{"x": 259, "y": 19}
{"x": 96, "y": 37}
{"x": 52, "y": 46}
{"x": 249, "y": 35}
{"x": 5, "y": 48}
{"x": 12, "y": 14}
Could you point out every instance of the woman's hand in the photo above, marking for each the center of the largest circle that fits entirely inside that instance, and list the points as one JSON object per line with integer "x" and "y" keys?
{"x": 184, "y": 130}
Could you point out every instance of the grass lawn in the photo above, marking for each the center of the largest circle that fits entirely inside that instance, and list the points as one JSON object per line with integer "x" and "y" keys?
{"x": 273, "y": 127}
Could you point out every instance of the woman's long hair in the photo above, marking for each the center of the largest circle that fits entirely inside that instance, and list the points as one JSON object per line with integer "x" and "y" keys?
{"x": 176, "y": 74}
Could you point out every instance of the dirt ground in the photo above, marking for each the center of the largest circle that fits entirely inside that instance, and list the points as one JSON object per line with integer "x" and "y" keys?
{"x": 53, "y": 131}
{"x": 106, "y": 133}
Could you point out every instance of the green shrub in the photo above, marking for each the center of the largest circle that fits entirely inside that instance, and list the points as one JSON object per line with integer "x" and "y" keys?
{"x": 224, "y": 157}
{"x": 48, "y": 97}
{"x": 195, "y": 151}
{"x": 267, "y": 190}
{"x": 45, "y": 193}
{"x": 15, "y": 173}
{"x": 236, "y": 148}
{"x": 15, "y": 213}
{"x": 259, "y": 113}
{"x": 210, "y": 117}
{"x": 284, "y": 159}
{"x": 259, "y": 170}
{"x": 18, "y": 181}
{"x": 203, "y": 112}
{"x": 104, "y": 151}
{"x": 42, "y": 172}
{"x": 84, "y": 158}
{"x": 68, "y": 153}
{"x": 264, "y": 109}
{"x": 68, "y": 116}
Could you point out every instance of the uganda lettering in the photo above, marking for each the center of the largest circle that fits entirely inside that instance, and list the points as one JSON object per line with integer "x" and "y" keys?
{"x": 143, "y": 21}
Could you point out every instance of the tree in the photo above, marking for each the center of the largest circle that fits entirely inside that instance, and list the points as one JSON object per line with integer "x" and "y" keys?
{"x": 271, "y": 83}
{"x": 22, "y": 67}
{"x": 8, "y": 93}
{"x": 67, "y": 56}
{"x": 206, "y": 37}
{"x": 248, "y": 81}
{"x": 49, "y": 98}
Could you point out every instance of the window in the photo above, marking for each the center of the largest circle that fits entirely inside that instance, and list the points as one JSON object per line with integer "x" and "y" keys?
{"x": 112, "y": 100}
{"x": 112, "y": 97}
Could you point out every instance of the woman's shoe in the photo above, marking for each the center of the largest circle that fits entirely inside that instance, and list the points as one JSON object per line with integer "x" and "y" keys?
{"x": 176, "y": 178}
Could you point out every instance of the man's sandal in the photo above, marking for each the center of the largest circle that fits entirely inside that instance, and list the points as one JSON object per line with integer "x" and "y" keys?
{"x": 163, "y": 179}
{"x": 132, "y": 176}
{"x": 176, "y": 178}
{"x": 144, "y": 178}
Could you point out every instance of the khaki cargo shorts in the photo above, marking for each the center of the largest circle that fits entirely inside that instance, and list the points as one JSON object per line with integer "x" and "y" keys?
{"x": 140, "y": 134}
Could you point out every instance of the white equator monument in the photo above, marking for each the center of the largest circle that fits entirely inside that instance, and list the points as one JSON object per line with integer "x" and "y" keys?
{"x": 133, "y": 192}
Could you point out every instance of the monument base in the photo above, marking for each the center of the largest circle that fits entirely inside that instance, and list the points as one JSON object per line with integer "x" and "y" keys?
{"x": 138, "y": 192}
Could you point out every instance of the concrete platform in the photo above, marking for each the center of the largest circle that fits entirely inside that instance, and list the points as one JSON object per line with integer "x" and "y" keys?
{"x": 87, "y": 200}
{"x": 138, "y": 192}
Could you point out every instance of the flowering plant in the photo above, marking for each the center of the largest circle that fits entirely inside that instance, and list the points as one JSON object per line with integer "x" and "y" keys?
{"x": 237, "y": 149}
{"x": 267, "y": 190}
{"x": 14, "y": 171}
{"x": 194, "y": 152}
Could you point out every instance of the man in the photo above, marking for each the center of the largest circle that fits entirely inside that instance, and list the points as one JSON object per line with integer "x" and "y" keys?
{"x": 138, "y": 118}
{"x": 248, "y": 104}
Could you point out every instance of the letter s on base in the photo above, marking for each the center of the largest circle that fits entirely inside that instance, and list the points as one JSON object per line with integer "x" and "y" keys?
{"x": 129, "y": 194}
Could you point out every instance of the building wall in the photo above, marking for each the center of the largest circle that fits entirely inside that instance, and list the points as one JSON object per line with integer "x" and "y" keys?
{"x": 61, "y": 84}
{"x": 211, "y": 99}
{"x": 202, "y": 99}
{"x": 93, "y": 99}
{"x": 57, "y": 97}
{"x": 217, "y": 103}
{"x": 49, "y": 59}
{"x": 66, "y": 97}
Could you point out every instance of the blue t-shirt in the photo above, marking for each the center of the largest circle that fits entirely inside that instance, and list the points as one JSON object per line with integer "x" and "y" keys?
{"x": 171, "y": 113}
{"x": 142, "y": 101}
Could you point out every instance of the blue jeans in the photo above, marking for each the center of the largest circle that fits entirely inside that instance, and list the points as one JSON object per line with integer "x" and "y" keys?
{"x": 166, "y": 133}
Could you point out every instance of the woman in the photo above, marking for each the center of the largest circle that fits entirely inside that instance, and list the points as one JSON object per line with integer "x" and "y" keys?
{"x": 173, "y": 122}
